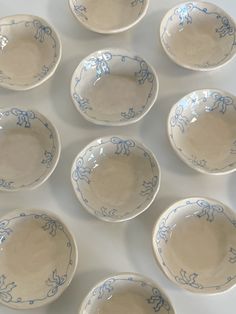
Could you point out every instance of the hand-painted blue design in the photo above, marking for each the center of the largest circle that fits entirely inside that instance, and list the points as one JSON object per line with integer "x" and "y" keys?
{"x": 220, "y": 102}
{"x": 100, "y": 63}
{"x": 3, "y": 41}
{"x": 233, "y": 149}
{"x": 183, "y": 13}
{"x": 44, "y": 71}
{"x": 105, "y": 288}
{"x": 47, "y": 160}
{"x": 232, "y": 259}
{"x": 81, "y": 11}
{"x": 149, "y": 187}
{"x": 81, "y": 172}
{"x": 24, "y": 117}
{"x": 6, "y": 184}
{"x": 144, "y": 73}
{"x": 55, "y": 281}
{"x": 122, "y": 146}
{"x": 178, "y": 119}
{"x": 129, "y": 115}
{"x": 5, "y": 289}
{"x": 208, "y": 210}
{"x": 163, "y": 231}
{"x": 51, "y": 225}
{"x": 226, "y": 28}
{"x": 158, "y": 301}
{"x": 105, "y": 212}
{"x": 41, "y": 31}
{"x": 4, "y": 230}
{"x": 136, "y": 2}
{"x": 83, "y": 102}
{"x": 188, "y": 279}
{"x": 199, "y": 163}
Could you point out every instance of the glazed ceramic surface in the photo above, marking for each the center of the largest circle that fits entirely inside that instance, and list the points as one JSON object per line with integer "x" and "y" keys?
{"x": 198, "y": 35}
{"x": 30, "y": 51}
{"x": 30, "y": 149}
{"x": 114, "y": 87}
{"x": 194, "y": 242}
{"x": 126, "y": 293}
{"x": 109, "y": 16}
{"x": 115, "y": 178}
{"x": 202, "y": 130}
{"x": 38, "y": 258}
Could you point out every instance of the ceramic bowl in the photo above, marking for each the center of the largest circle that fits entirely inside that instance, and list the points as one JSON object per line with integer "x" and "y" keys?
{"x": 198, "y": 35}
{"x": 202, "y": 131}
{"x": 109, "y": 16}
{"x": 30, "y": 51}
{"x": 115, "y": 178}
{"x": 194, "y": 242}
{"x": 126, "y": 293}
{"x": 30, "y": 149}
{"x": 114, "y": 87}
{"x": 38, "y": 258}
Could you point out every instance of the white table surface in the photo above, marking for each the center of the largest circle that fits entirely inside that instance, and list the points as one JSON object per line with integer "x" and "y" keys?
{"x": 105, "y": 248}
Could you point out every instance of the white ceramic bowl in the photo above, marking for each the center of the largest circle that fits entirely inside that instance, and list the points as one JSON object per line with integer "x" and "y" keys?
{"x": 114, "y": 87}
{"x": 194, "y": 242}
{"x": 38, "y": 258}
{"x": 109, "y": 16}
{"x": 202, "y": 131}
{"x": 198, "y": 35}
{"x": 30, "y": 51}
{"x": 126, "y": 293}
{"x": 115, "y": 178}
{"x": 30, "y": 149}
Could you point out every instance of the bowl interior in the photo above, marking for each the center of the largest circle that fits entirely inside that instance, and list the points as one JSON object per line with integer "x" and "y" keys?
{"x": 198, "y": 35}
{"x": 37, "y": 261}
{"x": 115, "y": 178}
{"x": 113, "y": 87}
{"x": 127, "y": 294}
{"x": 202, "y": 129}
{"x": 30, "y": 149}
{"x": 29, "y": 52}
{"x": 195, "y": 244}
{"x": 108, "y": 15}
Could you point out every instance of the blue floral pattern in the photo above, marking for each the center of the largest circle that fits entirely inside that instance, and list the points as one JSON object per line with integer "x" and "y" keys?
{"x": 122, "y": 146}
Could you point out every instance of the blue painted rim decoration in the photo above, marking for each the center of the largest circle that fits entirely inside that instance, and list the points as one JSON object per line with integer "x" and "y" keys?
{"x": 182, "y": 13}
{"x": 26, "y": 119}
{"x": 56, "y": 282}
{"x": 80, "y": 174}
{"x": 220, "y": 102}
{"x": 209, "y": 210}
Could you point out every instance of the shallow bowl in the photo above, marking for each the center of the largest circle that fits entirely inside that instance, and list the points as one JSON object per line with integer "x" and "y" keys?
{"x": 114, "y": 87}
{"x": 38, "y": 258}
{"x": 198, "y": 35}
{"x": 115, "y": 178}
{"x": 30, "y": 51}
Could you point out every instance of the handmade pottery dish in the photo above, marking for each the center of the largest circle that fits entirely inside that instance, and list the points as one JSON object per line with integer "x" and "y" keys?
{"x": 115, "y": 178}
{"x": 202, "y": 131}
{"x": 126, "y": 293}
{"x": 38, "y": 258}
{"x": 30, "y": 149}
{"x": 198, "y": 35}
{"x": 30, "y": 51}
{"x": 109, "y": 16}
{"x": 114, "y": 87}
{"x": 194, "y": 242}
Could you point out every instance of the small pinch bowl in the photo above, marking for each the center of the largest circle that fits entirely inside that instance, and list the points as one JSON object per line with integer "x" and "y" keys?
{"x": 126, "y": 293}
{"x": 30, "y": 149}
{"x": 38, "y": 258}
{"x": 114, "y": 87}
{"x": 115, "y": 178}
{"x": 30, "y": 51}
{"x": 198, "y": 35}
{"x": 202, "y": 131}
{"x": 107, "y": 17}
{"x": 194, "y": 242}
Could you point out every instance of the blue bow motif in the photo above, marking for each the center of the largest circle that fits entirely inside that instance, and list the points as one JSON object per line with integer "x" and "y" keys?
{"x": 5, "y": 289}
{"x": 136, "y": 2}
{"x": 41, "y": 31}
{"x": 158, "y": 301}
{"x": 55, "y": 282}
{"x": 81, "y": 172}
{"x": 122, "y": 146}
{"x": 144, "y": 74}
{"x": 106, "y": 287}
{"x": 183, "y": 13}
{"x": 23, "y": 117}
{"x": 178, "y": 119}
{"x": 4, "y": 230}
{"x": 226, "y": 28}
{"x": 188, "y": 279}
{"x": 220, "y": 102}
{"x": 208, "y": 210}
{"x": 81, "y": 10}
{"x": 100, "y": 63}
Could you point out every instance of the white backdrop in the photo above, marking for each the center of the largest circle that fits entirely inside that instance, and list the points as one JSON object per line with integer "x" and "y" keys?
{"x": 106, "y": 248}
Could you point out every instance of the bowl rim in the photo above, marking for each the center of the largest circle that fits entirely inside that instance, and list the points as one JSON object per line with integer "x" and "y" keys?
{"x": 196, "y": 168}
{"x": 116, "y": 220}
{"x": 57, "y": 156}
{"x": 73, "y": 268}
{"x": 154, "y": 249}
{"x": 16, "y": 87}
{"x": 118, "y": 123}
{"x": 185, "y": 65}
{"x": 111, "y": 31}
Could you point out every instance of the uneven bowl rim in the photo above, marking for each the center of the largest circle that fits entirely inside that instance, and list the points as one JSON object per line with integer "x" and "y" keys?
{"x": 126, "y": 274}
{"x": 186, "y": 66}
{"x": 118, "y": 123}
{"x": 57, "y": 156}
{"x": 112, "y": 31}
{"x": 198, "y": 169}
{"x": 106, "y": 219}
{"x": 52, "y": 71}
{"x": 69, "y": 280}
{"x": 154, "y": 249}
